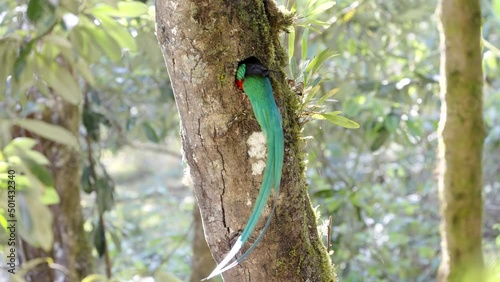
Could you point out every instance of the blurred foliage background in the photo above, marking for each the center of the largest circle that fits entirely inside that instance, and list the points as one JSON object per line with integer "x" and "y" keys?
{"x": 375, "y": 186}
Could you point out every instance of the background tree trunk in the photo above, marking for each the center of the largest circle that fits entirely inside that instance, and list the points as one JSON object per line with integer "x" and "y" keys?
{"x": 71, "y": 249}
{"x": 461, "y": 134}
{"x": 202, "y": 43}
{"x": 202, "y": 263}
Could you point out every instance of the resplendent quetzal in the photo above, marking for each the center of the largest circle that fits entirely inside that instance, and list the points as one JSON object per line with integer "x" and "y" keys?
{"x": 252, "y": 77}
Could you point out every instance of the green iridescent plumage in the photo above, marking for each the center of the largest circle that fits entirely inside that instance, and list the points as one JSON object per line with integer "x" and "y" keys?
{"x": 256, "y": 85}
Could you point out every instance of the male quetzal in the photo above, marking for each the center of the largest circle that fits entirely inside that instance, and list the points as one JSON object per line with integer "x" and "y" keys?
{"x": 253, "y": 79}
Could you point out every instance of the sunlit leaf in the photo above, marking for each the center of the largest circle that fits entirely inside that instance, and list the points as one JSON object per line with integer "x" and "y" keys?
{"x": 57, "y": 40}
{"x": 315, "y": 9}
{"x": 106, "y": 43}
{"x": 348, "y": 16}
{"x": 126, "y": 9}
{"x": 61, "y": 81}
{"x": 334, "y": 118}
{"x": 94, "y": 278}
{"x": 316, "y": 63}
{"x": 119, "y": 33}
{"x": 308, "y": 22}
{"x": 51, "y": 132}
{"x": 50, "y": 196}
{"x": 3, "y": 222}
{"x": 496, "y": 7}
{"x": 328, "y": 95}
{"x": 22, "y": 181}
{"x": 23, "y": 143}
{"x": 4, "y": 166}
{"x": 304, "y": 40}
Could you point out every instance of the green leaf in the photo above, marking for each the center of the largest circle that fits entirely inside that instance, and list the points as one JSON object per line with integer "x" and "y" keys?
{"x": 20, "y": 63}
{"x": 129, "y": 9}
{"x": 310, "y": 93}
{"x": 319, "y": 8}
{"x": 105, "y": 196}
{"x": 334, "y": 118}
{"x": 150, "y": 132}
{"x": 325, "y": 193}
{"x": 95, "y": 278}
{"x": 25, "y": 80}
{"x": 382, "y": 135}
{"x": 35, "y": 10}
{"x": 8, "y": 53}
{"x": 61, "y": 81}
{"x": 307, "y": 22}
{"x": 71, "y": 5}
{"x": 316, "y": 63}
{"x": 22, "y": 181}
{"x": 80, "y": 64}
{"x": 39, "y": 171}
{"x": 57, "y": 40}
{"x": 85, "y": 181}
{"x": 293, "y": 68}
{"x": 291, "y": 43}
{"x": 105, "y": 42}
{"x": 496, "y": 7}
{"x": 3, "y": 222}
{"x": 328, "y": 95}
{"x": 48, "y": 131}
{"x": 391, "y": 122}
{"x": 23, "y": 143}
{"x": 305, "y": 39}
{"x": 115, "y": 237}
{"x": 35, "y": 221}
{"x": 119, "y": 33}
{"x": 99, "y": 239}
{"x": 4, "y": 166}
{"x": 84, "y": 43}
{"x": 50, "y": 196}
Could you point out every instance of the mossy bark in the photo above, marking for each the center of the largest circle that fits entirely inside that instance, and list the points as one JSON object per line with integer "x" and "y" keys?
{"x": 202, "y": 42}
{"x": 461, "y": 135}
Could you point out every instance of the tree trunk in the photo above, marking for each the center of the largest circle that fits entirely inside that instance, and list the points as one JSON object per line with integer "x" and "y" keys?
{"x": 71, "y": 250}
{"x": 202, "y": 42}
{"x": 461, "y": 134}
{"x": 202, "y": 263}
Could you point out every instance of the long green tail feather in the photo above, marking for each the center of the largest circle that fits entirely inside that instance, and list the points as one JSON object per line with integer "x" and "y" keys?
{"x": 259, "y": 90}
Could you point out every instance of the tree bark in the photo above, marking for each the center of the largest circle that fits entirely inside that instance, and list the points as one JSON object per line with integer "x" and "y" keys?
{"x": 202, "y": 42}
{"x": 461, "y": 135}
